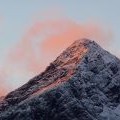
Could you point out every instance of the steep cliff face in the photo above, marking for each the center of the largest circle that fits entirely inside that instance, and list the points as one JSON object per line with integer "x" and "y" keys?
{"x": 83, "y": 83}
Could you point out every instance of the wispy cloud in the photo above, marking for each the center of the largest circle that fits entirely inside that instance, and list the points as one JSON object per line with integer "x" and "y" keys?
{"x": 45, "y": 40}
{"x": 3, "y": 82}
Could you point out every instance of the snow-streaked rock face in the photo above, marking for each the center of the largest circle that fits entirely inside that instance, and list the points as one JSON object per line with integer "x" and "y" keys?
{"x": 83, "y": 83}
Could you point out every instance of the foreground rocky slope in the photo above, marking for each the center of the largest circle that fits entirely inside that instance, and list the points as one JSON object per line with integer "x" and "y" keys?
{"x": 83, "y": 83}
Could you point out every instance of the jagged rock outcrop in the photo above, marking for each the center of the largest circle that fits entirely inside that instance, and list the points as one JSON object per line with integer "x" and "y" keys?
{"x": 83, "y": 83}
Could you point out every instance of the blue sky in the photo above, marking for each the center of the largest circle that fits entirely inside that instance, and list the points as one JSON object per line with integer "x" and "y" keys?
{"x": 17, "y": 16}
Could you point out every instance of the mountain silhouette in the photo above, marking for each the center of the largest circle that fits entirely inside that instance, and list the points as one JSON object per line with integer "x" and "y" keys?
{"x": 83, "y": 83}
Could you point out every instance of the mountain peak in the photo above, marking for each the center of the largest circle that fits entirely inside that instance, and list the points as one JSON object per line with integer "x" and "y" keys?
{"x": 81, "y": 84}
{"x": 76, "y": 52}
{"x": 83, "y": 41}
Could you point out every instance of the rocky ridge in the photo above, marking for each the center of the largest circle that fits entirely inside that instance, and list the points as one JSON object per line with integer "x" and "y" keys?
{"x": 83, "y": 83}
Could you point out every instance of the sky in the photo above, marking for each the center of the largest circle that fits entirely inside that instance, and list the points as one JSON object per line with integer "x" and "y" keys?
{"x": 34, "y": 32}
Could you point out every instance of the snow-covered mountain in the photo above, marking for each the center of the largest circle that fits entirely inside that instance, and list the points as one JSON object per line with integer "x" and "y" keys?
{"x": 83, "y": 83}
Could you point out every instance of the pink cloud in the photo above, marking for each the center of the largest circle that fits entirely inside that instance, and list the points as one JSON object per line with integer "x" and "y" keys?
{"x": 45, "y": 40}
{"x": 3, "y": 85}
